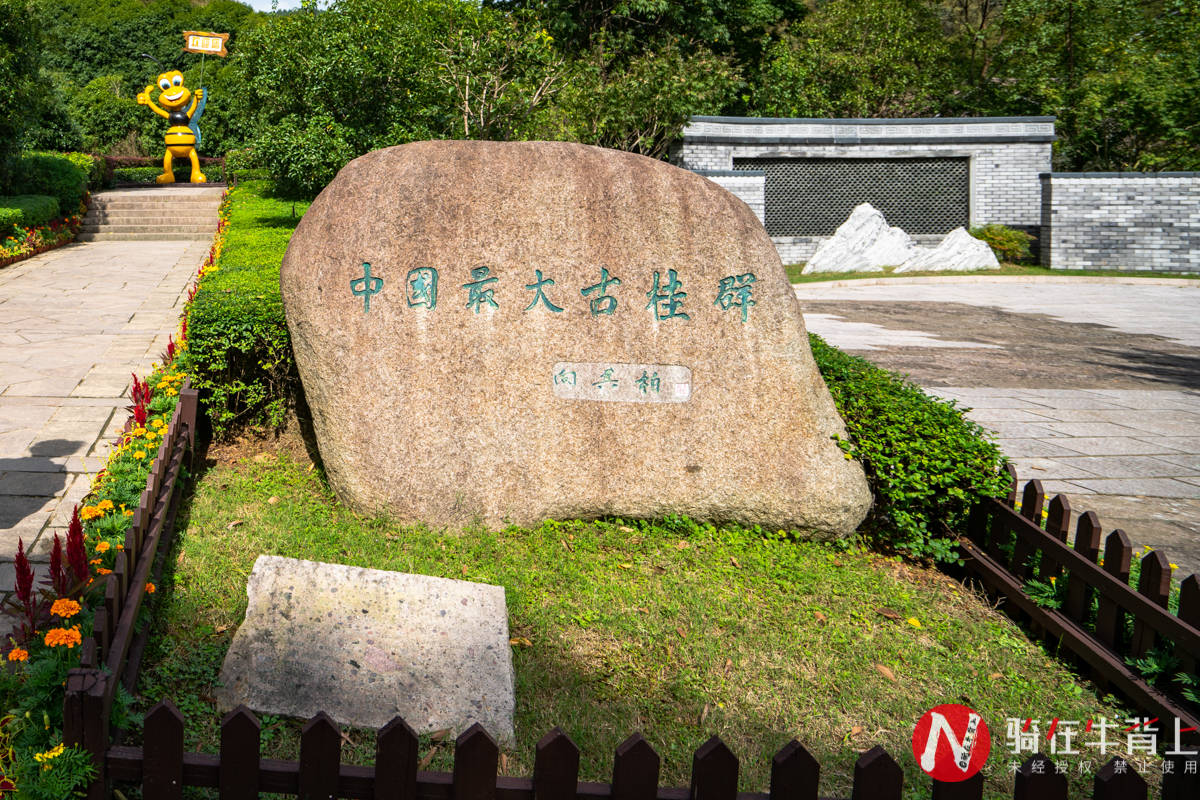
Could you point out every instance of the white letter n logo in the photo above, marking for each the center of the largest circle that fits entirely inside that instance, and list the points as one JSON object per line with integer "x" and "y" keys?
{"x": 939, "y": 727}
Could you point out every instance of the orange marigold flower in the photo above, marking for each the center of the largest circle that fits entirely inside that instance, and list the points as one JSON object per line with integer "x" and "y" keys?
{"x": 102, "y": 547}
{"x": 90, "y": 512}
{"x": 17, "y": 654}
{"x": 105, "y": 505}
{"x": 65, "y": 607}
{"x": 64, "y": 637}
{"x": 103, "y": 571}
{"x": 150, "y": 588}
{"x": 96, "y": 561}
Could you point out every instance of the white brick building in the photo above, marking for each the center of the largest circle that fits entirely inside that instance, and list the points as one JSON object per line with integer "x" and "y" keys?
{"x": 929, "y": 176}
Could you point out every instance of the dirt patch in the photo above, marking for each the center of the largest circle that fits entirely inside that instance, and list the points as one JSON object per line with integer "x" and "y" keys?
{"x": 293, "y": 439}
{"x": 1032, "y": 351}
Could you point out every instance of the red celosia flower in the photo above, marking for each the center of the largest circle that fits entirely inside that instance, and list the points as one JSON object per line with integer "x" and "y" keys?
{"x": 76, "y": 554}
{"x": 24, "y": 575}
{"x": 58, "y": 576}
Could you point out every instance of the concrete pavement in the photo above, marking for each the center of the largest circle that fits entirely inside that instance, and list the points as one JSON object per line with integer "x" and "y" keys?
{"x": 74, "y": 324}
{"x": 1093, "y": 387}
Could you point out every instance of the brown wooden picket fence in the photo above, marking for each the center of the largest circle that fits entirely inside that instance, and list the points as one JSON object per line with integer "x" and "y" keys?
{"x": 1104, "y": 620}
{"x": 1003, "y": 549}
{"x": 112, "y": 655}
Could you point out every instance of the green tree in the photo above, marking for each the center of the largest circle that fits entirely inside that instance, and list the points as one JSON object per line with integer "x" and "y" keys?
{"x": 1122, "y": 76}
{"x": 857, "y": 58}
{"x": 19, "y": 77}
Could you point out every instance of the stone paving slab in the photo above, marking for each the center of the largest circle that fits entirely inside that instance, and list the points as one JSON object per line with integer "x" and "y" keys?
{"x": 74, "y": 324}
{"x": 366, "y": 645}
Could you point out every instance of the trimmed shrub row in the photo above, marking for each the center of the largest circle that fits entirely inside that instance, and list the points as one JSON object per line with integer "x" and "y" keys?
{"x": 26, "y": 211}
{"x": 63, "y": 176}
{"x": 239, "y": 353}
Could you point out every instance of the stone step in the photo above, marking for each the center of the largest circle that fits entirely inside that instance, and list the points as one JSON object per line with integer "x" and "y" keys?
{"x": 140, "y": 227}
{"x": 149, "y": 218}
{"x": 130, "y": 205}
{"x": 109, "y": 236}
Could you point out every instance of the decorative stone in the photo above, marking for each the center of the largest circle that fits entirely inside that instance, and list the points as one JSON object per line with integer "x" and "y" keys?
{"x": 958, "y": 251}
{"x": 863, "y": 243}
{"x": 516, "y": 331}
{"x": 365, "y": 645}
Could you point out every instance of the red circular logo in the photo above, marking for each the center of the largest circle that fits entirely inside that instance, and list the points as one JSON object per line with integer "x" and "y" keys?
{"x": 951, "y": 742}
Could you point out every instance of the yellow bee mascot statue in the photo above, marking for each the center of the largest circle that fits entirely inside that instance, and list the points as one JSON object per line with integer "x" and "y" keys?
{"x": 183, "y": 135}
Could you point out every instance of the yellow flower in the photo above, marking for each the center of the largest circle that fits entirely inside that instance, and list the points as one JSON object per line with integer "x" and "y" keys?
{"x": 138, "y": 432}
{"x": 163, "y": 384}
{"x": 139, "y": 453}
{"x": 17, "y": 654}
{"x": 90, "y": 512}
{"x": 49, "y": 755}
{"x": 157, "y": 422}
{"x": 170, "y": 392}
{"x": 65, "y": 607}
{"x": 102, "y": 547}
{"x": 1174, "y": 566}
{"x": 68, "y": 637}
{"x": 916, "y": 623}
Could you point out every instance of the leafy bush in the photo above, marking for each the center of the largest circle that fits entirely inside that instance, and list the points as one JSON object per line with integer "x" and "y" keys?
{"x": 55, "y": 174}
{"x": 1009, "y": 244}
{"x": 926, "y": 463}
{"x": 26, "y": 211}
{"x": 239, "y": 352}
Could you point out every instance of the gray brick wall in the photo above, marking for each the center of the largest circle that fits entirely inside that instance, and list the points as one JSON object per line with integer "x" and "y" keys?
{"x": 1007, "y": 156}
{"x": 1121, "y": 221}
{"x": 748, "y": 186}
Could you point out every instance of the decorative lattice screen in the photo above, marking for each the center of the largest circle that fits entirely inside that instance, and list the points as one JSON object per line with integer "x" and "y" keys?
{"x": 813, "y": 196}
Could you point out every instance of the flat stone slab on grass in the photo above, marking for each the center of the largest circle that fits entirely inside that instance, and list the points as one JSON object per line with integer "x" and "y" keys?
{"x": 365, "y": 645}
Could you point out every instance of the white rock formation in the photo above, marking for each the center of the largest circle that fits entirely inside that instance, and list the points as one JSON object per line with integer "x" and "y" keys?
{"x": 958, "y": 251}
{"x": 863, "y": 243}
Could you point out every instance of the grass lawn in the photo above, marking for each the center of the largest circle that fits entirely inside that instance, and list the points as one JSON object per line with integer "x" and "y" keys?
{"x": 1014, "y": 270}
{"x": 677, "y": 630}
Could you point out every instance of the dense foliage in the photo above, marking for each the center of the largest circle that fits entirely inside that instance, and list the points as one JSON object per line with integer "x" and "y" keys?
{"x": 63, "y": 176}
{"x": 239, "y": 353}
{"x": 926, "y": 463}
{"x": 304, "y": 91}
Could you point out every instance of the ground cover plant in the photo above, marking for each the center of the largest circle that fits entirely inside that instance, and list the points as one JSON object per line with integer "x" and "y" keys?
{"x": 926, "y": 463}
{"x": 673, "y": 628}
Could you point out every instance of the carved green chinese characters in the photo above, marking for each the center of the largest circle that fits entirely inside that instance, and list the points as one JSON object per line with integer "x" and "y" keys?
{"x": 366, "y": 286}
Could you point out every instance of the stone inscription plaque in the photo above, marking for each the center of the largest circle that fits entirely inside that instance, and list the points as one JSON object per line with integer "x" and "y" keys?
{"x": 623, "y": 383}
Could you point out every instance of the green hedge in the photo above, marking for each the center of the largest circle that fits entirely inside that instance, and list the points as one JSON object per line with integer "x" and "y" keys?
{"x": 1009, "y": 244}
{"x": 238, "y": 352}
{"x": 26, "y": 210}
{"x": 926, "y": 463}
{"x": 60, "y": 175}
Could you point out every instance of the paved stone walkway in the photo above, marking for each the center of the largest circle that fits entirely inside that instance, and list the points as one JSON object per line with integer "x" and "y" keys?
{"x": 74, "y": 324}
{"x": 1091, "y": 386}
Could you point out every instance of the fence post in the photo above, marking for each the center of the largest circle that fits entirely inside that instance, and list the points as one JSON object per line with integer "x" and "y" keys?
{"x": 85, "y": 723}
{"x": 555, "y": 767}
{"x": 476, "y": 758}
{"x": 1039, "y": 779}
{"x": 714, "y": 772}
{"x": 877, "y": 776}
{"x": 795, "y": 774}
